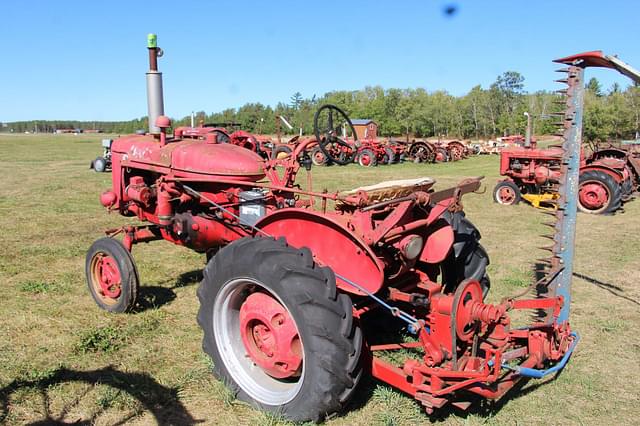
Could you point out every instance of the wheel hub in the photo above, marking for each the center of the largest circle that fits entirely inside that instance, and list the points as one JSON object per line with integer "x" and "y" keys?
{"x": 506, "y": 195}
{"x": 593, "y": 195}
{"x": 270, "y": 336}
{"x": 365, "y": 159}
{"x": 108, "y": 276}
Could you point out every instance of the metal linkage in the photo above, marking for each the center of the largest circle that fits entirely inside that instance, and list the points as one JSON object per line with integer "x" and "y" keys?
{"x": 413, "y": 323}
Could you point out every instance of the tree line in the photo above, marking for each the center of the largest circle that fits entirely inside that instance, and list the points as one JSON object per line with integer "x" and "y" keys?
{"x": 481, "y": 113}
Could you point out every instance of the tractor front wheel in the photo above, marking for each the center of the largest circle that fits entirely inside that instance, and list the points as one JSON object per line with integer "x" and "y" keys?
{"x": 441, "y": 155}
{"x": 111, "y": 275}
{"x": 367, "y": 158}
{"x": 100, "y": 164}
{"x": 598, "y": 193}
{"x": 391, "y": 155}
{"x": 506, "y": 193}
{"x": 318, "y": 157}
{"x": 279, "y": 334}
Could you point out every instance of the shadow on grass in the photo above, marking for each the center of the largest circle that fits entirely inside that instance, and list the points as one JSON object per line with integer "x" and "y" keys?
{"x": 162, "y": 402}
{"x": 611, "y": 288}
{"x": 486, "y": 408}
{"x": 152, "y": 297}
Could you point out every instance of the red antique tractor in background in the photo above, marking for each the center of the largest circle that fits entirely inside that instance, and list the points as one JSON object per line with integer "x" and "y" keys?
{"x": 299, "y": 301}
{"x": 533, "y": 174}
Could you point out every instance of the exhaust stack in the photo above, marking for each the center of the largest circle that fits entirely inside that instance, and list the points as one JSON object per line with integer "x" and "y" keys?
{"x": 527, "y": 137}
{"x": 155, "y": 98}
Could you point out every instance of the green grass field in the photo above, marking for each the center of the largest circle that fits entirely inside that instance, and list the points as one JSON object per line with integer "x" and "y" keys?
{"x": 62, "y": 359}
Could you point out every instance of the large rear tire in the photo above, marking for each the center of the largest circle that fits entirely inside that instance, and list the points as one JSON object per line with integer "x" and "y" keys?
{"x": 467, "y": 259}
{"x": 598, "y": 193}
{"x": 279, "y": 334}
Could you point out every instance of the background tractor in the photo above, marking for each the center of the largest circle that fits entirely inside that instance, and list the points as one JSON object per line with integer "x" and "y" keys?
{"x": 103, "y": 162}
{"x": 299, "y": 300}
{"x": 533, "y": 174}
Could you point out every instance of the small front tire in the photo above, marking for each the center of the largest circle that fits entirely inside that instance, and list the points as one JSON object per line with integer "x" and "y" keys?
{"x": 111, "y": 275}
{"x": 507, "y": 193}
{"x": 100, "y": 165}
{"x": 367, "y": 158}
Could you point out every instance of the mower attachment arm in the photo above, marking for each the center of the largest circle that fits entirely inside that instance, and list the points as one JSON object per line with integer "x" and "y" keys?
{"x": 598, "y": 59}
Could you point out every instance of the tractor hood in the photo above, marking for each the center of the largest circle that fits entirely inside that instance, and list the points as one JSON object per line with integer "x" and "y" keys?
{"x": 190, "y": 157}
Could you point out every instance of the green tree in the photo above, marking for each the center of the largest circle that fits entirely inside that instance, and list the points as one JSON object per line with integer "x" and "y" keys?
{"x": 594, "y": 86}
{"x": 296, "y": 100}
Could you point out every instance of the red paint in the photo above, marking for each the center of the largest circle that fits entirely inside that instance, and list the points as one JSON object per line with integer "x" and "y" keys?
{"x": 438, "y": 245}
{"x": 331, "y": 243}
{"x": 593, "y": 195}
{"x": 270, "y": 336}
{"x": 108, "y": 276}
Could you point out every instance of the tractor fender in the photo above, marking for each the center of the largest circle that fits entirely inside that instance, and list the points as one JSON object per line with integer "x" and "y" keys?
{"x": 617, "y": 175}
{"x": 609, "y": 152}
{"x": 331, "y": 244}
{"x": 438, "y": 242}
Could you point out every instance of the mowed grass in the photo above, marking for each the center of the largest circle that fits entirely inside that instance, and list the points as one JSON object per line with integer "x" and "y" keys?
{"x": 63, "y": 359}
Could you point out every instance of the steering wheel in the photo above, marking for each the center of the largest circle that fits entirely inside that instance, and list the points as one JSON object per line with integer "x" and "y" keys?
{"x": 327, "y": 125}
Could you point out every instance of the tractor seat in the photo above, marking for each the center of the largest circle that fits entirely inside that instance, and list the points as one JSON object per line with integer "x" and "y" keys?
{"x": 390, "y": 189}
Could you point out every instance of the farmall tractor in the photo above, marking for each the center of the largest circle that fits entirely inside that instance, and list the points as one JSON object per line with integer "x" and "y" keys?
{"x": 295, "y": 297}
{"x": 534, "y": 174}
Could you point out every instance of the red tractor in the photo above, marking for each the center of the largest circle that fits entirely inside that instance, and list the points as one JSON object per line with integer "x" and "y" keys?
{"x": 297, "y": 301}
{"x": 373, "y": 152}
{"x": 533, "y": 174}
{"x": 630, "y": 155}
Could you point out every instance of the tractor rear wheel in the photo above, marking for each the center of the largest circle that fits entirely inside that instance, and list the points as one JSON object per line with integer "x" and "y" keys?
{"x": 598, "y": 193}
{"x": 111, "y": 275}
{"x": 467, "y": 259}
{"x": 279, "y": 334}
{"x": 100, "y": 164}
{"x": 367, "y": 158}
{"x": 506, "y": 193}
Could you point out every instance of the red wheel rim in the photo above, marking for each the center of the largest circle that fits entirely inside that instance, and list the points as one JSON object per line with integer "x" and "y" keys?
{"x": 593, "y": 196}
{"x": 318, "y": 157}
{"x": 365, "y": 160}
{"x": 270, "y": 336}
{"x": 439, "y": 157}
{"x": 106, "y": 278}
{"x": 506, "y": 195}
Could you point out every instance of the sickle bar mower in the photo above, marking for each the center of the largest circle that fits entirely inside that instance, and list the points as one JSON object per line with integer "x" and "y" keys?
{"x": 291, "y": 291}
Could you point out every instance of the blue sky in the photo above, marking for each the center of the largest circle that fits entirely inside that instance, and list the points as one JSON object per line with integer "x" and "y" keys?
{"x": 86, "y": 60}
